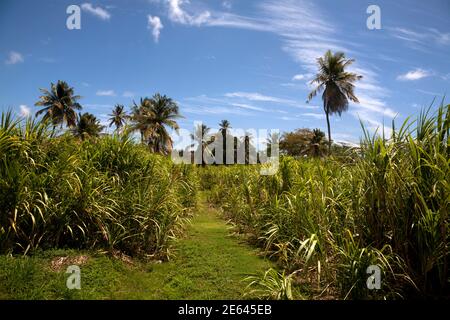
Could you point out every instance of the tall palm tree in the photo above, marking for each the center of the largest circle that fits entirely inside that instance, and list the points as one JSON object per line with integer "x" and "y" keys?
{"x": 202, "y": 137}
{"x": 87, "y": 126}
{"x": 336, "y": 84}
{"x": 59, "y": 104}
{"x": 152, "y": 117}
{"x": 224, "y": 126}
{"x": 118, "y": 116}
{"x": 273, "y": 139}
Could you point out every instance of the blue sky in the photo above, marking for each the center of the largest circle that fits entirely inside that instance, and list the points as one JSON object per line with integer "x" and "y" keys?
{"x": 246, "y": 61}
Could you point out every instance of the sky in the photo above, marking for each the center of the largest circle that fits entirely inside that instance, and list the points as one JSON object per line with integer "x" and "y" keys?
{"x": 250, "y": 62}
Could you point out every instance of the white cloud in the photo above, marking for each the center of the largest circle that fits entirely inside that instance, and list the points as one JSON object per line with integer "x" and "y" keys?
{"x": 299, "y": 77}
{"x": 254, "y": 96}
{"x": 314, "y": 115}
{"x": 14, "y": 58}
{"x": 128, "y": 94}
{"x": 96, "y": 11}
{"x": 106, "y": 93}
{"x": 154, "y": 23}
{"x": 247, "y": 106}
{"x": 413, "y": 75}
{"x": 306, "y": 34}
{"x": 25, "y": 111}
{"x": 422, "y": 37}
{"x": 177, "y": 14}
{"x": 227, "y": 5}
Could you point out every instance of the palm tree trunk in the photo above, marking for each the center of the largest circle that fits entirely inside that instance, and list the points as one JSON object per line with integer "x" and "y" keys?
{"x": 329, "y": 131}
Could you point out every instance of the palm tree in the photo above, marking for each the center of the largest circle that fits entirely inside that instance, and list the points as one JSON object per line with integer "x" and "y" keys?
{"x": 151, "y": 118}
{"x": 166, "y": 112}
{"x": 336, "y": 84}
{"x": 202, "y": 137}
{"x": 273, "y": 139}
{"x": 249, "y": 148}
{"x": 224, "y": 126}
{"x": 316, "y": 143}
{"x": 118, "y": 116}
{"x": 87, "y": 126}
{"x": 142, "y": 117}
{"x": 59, "y": 104}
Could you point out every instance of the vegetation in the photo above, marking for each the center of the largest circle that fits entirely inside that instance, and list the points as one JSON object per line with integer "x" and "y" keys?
{"x": 119, "y": 206}
{"x": 109, "y": 193}
{"x": 327, "y": 221}
{"x": 208, "y": 264}
{"x": 87, "y": 126}
{"x": 303, "y": 142}
{"x": 151, "y": 117}
{"x": 118, "y": 117}
{"x": 336, "y": 84}
{"x": 59, "y": 104}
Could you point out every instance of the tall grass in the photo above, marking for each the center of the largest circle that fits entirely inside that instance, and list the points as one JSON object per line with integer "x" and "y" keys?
{"x": 109, "y": 193}
{"x": 330, "y": 219}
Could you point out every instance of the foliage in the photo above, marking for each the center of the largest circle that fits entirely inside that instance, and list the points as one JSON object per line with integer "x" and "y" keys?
{"x": 389, "y": 206}
{"x": 110, "y": 194}
{"x": 59, "y": 104}
{"x": 336, "y": 84}
{"x": 302, "y": 142}
{"x": 87, "y": 126}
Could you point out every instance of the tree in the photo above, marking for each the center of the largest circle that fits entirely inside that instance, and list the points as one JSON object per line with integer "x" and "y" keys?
{"x": 302, "y": 142}
{"x": 87, "y": 126}
{"x": 59, "y": 104}
{"x": 118, "y": 116}
{"x": 224, "y": 126}
{"x": 201, "y": 136}
{"x": 142, "y": 117}
{"x": 336, "y": 84}
{"x": 273, "y": 139}
{"x": 152, "y": 117}
{"x": 316, "y": 143}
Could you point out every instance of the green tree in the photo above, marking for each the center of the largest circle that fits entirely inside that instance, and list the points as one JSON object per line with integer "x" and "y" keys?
{"x": 87, "y": 126}
{"x": 302, "y": 142}
{"x": 152, "y": 117}
{"x": 336, "y": 84}
{"x": 202, "y": 138}
{"x": 59, "y": 104}
{"x": 273, "y": 139}
{"x": 118, "y": 117}
{"x": 224, "y": 127}
{"x": 316, "y": 143}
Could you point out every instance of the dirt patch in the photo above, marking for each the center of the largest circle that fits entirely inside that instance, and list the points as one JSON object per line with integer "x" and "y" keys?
{"x": 59, "y": 263}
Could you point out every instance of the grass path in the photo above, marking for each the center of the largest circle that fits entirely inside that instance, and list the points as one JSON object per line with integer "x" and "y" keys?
{"x": 209, "y": 263}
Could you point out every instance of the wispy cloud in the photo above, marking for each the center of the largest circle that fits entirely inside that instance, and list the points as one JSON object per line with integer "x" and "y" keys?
{"x": 254, "y": 96}
{"x": 299, "y": 77}
{"x": 306, "y": 33}
{"x": 314, "y": 115}
{"x": 154, "y": 24}
{"x": 227, "y": 5}
{"x": 178, "y": 14}
{"x": 99, "y": 12}
{"x": 25, "y": 111}
{"x": 421, "y": 37}
{"x": 413, "y": 75}
{"x": 14, "y": 57}
{"x": 106, "y": 93}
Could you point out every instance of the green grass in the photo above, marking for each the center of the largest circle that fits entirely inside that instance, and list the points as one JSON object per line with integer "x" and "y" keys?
{"x": 209, "y": 263}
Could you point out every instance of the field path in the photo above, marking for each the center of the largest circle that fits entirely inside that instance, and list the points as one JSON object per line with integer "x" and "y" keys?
{"x": 209, "y": 262}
